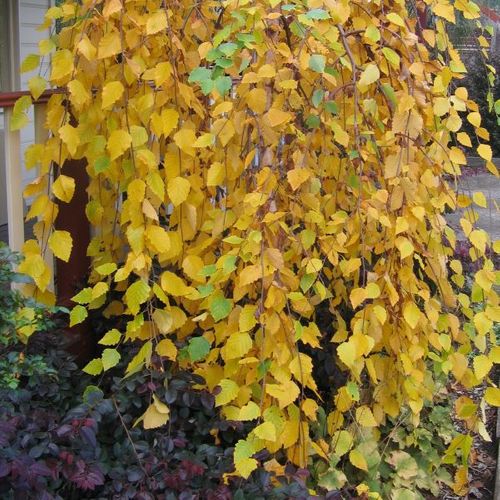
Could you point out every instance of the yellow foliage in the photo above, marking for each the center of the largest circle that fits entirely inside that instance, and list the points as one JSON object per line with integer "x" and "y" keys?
{"x": 307, "y": 175}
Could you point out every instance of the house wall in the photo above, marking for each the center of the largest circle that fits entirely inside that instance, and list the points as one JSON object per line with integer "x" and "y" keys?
{"x": 31, "y": 15}
{"x": 19, "y": 37}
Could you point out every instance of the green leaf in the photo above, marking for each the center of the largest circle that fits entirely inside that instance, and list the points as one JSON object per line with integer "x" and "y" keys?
{"x": 223, "y": 84}
{"x": 77, "y": 315}
{"x": 220, "y": 307}
{"x": 317, "y": 14}
{"x": 137, "y": 294}
{"x": 101, "y": 164}
{"x": 391, "y": 56}
{"x": 199, "y": 74}
{"x": 497, "y": 107}
{"x": 332, "y": 107}
{"x": 205, "y": 290}
{"x": 222, "y": 35}
{"x": 317, "y": 63}
{"x": 389, "y": 93}
{"x": 30, "y": 63}
{"x": 93, "y": 367}
{"x": 372, "y": 33}
{"x": 317, "y": 97}
{"x": 111, "y": 338}
{"x": 313, "y": 121}
{"x": 83, "y": 296}
{"x": 198, "y": 348}
{"x": 206, "y": 86}
{"x": 263, "y": 368}
{"x": 208, "y": 270}
{"x": 307, "y": 281}
{"x": 110, "y": 358}
{"x": 228, "y": 48}
{"x": 229, "y": 264}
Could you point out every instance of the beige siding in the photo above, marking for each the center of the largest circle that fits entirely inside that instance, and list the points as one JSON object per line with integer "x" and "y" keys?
{"x": 31, "y": 15}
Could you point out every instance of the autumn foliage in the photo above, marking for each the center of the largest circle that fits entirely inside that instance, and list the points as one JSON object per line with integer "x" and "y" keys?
{"x": 269, "y": 180}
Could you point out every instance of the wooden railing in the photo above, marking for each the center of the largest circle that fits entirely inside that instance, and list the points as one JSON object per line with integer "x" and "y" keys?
{"x": 13, "y": 164}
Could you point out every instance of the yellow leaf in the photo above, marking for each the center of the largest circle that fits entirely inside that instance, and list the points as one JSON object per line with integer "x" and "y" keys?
{"x": 474, "y": 118}
{"x": 445, "y": 10}
{"x": 482, "y": 366}
{"x": 405, "y": 247}
{"x": 286, "y": 393}
{"x": 372, "y": 291}
{"x": 250, "y": 274}
{"x": 79, "y": 95}
{"x": 347, "y": 353}
{"x": 250, "y": 411}
{"x": 109, "y": 45}
{"x": 62, "y": 64}
{"x": 64, "y": 188}
{"x": 163, "y": 320}
{"x": 30, "y": 63}
{"x": 441, "y": 106}
{"x": 492, "y": 396}
{"x": 364, "y": 417}
{"x": 277, "y": 117}
{"x": 61, "y": 243}
{"x": 111, "y": 7}
{"x": 156, "y": 415}
{"x": 266, "y": 71}
{"x": 167, "y": 349}
{"x": 71, "y": 137}
{"x": 342, "y": 442}
{"x": 243, "y": 463}
{"x": 247, "y": 318}
{"x": 192, "y": 266}
{"x": 380, "y": 313}
{"x": 357, "y": 296}
{"x": 461, "y": 481}
{"x": 395, "y": 19}
{"x": 495, "y": 354}
{"x": 223, "y": 129}
{"x": 411, "y": 314}
{"x": 237, "y": 345}
{"x": 310, "y": 408}
{"x": 229, "y": 391}
{"x": 185, "y": 139}
{"x": 464, "y": 139}
{"x": 215, "y": 174}
{"x": 157, "y": 238}
{"x": 358, "y": 460}
{"x": 173, "y": 285}
{"x": 457, "y": 156}
{"x": 37, "y": 86}
{"x": 170, "y": 119}
{"x": 156, "y": 22}
{"x": 480, "y": 199}
{"x": 370, "y": 75}
{"x": 86, "y": 48}
{"x": 119, "y": 141}
{"x": 256, "y": 100}
{"x": 111, "y": 93}
{"x": 478, "y": 238}
{"x": 297, "y": 177}
{"x": 485, "y": 152}
{"x": 204, "y": 141}
{"x": 314, "y": 266}
{"x": 266, "y": 431}
{"x": 178, "y": 189}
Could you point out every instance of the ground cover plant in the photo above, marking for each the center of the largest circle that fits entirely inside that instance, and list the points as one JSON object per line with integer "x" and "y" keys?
{"x": 268, "y": 184}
